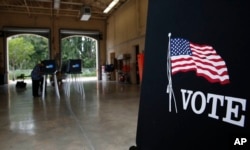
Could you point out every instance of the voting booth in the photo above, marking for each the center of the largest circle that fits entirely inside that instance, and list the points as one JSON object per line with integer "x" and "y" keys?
{"x": 73, "y": 66}
{"x": 50, "y": 68}
{"x": 73, "y": 69}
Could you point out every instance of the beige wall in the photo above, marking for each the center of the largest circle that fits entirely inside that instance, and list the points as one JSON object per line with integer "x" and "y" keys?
{"x": 126, "y": 28}
{"x": 54, "y": 24}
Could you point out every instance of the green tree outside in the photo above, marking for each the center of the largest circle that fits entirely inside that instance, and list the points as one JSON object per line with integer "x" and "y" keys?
{"x": 41, "y": 47}
{"x": 19, "y": 54}
{"x": 25, "y": 51}
{"x": 88, "y": 52}
{"x": 20, "y": 51}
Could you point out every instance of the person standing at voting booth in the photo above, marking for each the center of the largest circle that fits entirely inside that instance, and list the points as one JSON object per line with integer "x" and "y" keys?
{"x": 37, "y": 79}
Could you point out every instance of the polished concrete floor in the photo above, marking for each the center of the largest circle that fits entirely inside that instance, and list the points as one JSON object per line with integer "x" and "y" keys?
{"x": 85, "y": 115}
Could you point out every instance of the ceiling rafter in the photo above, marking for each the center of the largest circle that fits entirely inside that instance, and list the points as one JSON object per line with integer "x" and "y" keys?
{"x": 68, "y": 8}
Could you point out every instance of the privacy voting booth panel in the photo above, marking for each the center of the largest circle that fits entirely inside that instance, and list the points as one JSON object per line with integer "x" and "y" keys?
{"x": 72, "y": 66}
{"x": 49, "y": 66}
{"x": 195, "y": 88}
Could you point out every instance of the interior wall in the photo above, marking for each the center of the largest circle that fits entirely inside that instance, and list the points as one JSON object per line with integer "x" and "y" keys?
{"x": 125, "y": 29}
{"x": 55, "y": 24}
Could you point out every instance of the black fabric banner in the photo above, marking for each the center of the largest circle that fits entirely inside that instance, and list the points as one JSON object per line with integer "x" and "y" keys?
{"x": 209, "y": 104}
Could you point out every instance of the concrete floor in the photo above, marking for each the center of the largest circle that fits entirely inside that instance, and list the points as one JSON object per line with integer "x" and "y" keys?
{"x": 87, "y": 115}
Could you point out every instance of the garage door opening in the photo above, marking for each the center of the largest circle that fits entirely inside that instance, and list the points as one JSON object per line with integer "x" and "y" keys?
{"x": 83, "y": 48}
{"x": 24, "y": 51}
{"x": 84, "y": 45}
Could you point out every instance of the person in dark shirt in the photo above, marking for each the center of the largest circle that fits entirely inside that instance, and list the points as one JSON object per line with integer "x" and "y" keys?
{"x": 37, "y": 79}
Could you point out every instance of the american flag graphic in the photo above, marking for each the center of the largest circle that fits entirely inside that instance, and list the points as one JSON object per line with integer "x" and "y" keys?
{"x": 203, "y": 59}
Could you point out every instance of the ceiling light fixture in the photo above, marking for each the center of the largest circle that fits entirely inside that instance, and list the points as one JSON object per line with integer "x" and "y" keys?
{"x": 57, "y": 4}
{"x": 85, "y": 13}
{"x": 110, "y": 6}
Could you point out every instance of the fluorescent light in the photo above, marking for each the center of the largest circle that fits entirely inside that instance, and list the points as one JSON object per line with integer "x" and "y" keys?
{"x": 110, "y": 6}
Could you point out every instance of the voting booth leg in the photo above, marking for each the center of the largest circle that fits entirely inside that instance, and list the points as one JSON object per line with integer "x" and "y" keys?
{"x": 44, "y": 83}
{"x": 79, "y": 85}
{"x": 56, "y": 86}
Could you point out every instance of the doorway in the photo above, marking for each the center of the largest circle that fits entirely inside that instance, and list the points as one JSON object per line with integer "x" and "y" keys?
{"x": 24, "y": 47}
{"x": 113, "y": 61}
{"x": 84, "y": 43}
{"x": 81, "y": 48}
{"x": 136, "y": 63}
